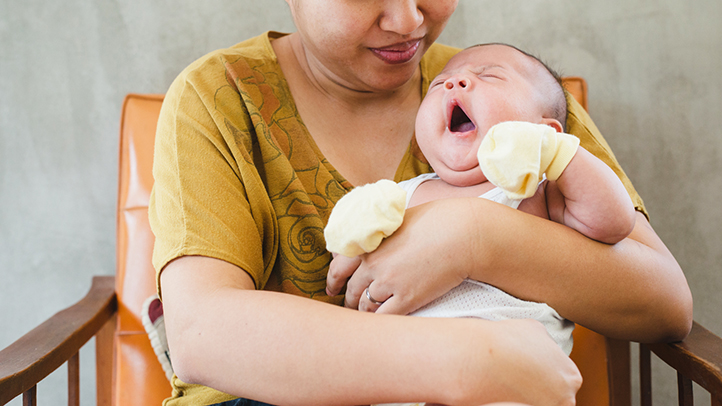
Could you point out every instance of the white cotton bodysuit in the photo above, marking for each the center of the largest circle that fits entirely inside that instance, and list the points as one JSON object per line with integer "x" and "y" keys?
{"x": 477, "y": 299}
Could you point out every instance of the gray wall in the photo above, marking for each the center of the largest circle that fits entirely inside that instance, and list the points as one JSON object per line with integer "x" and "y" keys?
{"x": 655, "y": 77}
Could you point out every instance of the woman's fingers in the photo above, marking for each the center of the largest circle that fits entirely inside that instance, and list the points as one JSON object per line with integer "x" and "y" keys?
{"x": 394, "y": 305}
{"x": 342, "y": 271}
{"x": 371, "y": 303}
{"x": 339, "y": 271}
{"x": 355, "y": 288}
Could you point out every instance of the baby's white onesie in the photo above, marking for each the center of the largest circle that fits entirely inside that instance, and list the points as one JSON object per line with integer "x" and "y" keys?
{"x": 477, "y": 299}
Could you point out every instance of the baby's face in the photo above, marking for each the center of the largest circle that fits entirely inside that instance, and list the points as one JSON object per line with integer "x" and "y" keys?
{"x": 479, "y": 87}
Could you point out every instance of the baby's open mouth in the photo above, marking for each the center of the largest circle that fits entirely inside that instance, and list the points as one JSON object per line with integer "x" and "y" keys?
{"x": 460, "y": 122}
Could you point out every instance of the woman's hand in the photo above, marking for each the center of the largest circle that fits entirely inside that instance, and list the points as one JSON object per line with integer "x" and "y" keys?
{"x": 339, "y": 271}
{"x": 520, "y": 363}
{"x": 410, "y": 268}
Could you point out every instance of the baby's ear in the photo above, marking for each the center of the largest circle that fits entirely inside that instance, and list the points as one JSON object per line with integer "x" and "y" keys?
{"x": 553, "y": 123}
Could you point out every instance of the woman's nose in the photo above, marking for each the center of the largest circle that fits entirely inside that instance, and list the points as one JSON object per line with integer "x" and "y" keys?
{"x": 456, "y": 82}
{"x": 401, "y": 16}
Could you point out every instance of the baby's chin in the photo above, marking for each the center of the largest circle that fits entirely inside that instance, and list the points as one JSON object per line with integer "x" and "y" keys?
{"x": 462, "y": 178}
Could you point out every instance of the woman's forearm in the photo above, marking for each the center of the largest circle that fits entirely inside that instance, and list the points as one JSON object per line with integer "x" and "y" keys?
{"x": 288, "y": 350}
{"x": 633, "y": 290}
{"x": 284, "y": 349}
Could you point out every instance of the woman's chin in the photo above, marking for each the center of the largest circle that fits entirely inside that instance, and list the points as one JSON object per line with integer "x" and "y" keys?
{"x": 389, "y": 77}
{"x": 392, "y": 81}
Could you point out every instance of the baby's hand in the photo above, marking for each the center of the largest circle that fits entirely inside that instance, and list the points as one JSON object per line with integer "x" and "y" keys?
{"x": 364, "y": 217}
{"x": 514, "y": 155}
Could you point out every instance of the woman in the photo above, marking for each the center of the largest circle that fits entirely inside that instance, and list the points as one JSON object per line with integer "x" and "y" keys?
{"x": 245, "y": 179}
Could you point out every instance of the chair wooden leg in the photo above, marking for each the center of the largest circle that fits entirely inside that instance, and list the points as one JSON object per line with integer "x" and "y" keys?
{"x": 74, "y": 380}
{"x": 684, "y": 387}
{"x": 618, "y": 370}
{"x": 716, "y": 400}
{"x": 30, "y": 396}
{"x": 104, "y": 362}
{"x": 645, "y": 375}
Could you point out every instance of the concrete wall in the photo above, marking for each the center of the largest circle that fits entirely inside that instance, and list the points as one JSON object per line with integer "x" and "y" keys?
{"x": 653, "y": 69}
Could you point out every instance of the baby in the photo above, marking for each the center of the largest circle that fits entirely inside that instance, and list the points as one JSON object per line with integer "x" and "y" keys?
{"x": 492, "y": 126}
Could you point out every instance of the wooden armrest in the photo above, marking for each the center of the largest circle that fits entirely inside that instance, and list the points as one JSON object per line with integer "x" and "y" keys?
{"x": 44, "y": 349}
{"x": 698, "y": 357}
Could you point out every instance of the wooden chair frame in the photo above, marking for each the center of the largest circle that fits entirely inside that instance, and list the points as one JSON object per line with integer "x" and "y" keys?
{"x": 58, "y": 340}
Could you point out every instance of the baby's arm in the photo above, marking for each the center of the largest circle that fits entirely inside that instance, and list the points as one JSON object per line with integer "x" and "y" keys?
{"x": 582, "y": 193}
{"x": 590, "y": 198}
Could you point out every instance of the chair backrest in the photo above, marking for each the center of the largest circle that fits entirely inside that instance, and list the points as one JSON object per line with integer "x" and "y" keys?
{"x": 138, "y": 378}
{"x": 137, "y": 375}
{"x": 603, "y": 362}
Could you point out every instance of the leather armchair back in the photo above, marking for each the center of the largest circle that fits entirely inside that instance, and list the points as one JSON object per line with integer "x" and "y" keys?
{"x": 138, "y": 378}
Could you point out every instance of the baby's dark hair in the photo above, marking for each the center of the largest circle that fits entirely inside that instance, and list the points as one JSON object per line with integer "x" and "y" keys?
{"x": 558, "y": 106}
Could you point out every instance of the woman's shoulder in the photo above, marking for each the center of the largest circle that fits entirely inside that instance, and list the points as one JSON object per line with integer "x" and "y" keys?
{"x": 216, "y": 81}
{"x": 255, "y": 52}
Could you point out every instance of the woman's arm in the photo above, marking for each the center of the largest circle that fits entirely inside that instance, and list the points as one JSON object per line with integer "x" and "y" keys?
{"x": 285, "y": 349}
{"x": 633, "y": 290}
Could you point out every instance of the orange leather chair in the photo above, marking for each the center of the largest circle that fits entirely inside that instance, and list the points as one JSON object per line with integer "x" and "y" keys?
{"x": 128, "y": 372}
{"x": 136, "y": 365}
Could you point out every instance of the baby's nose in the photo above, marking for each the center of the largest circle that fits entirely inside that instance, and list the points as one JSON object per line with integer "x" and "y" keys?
{"x": 456, "y": 81}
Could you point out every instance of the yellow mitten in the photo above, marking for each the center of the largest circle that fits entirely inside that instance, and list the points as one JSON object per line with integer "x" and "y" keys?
{"x": 514, "y": 155}
{"x": 364, "y": 217}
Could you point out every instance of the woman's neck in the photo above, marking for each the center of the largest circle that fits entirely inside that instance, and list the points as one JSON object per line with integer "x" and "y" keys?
{"x": 323, "y": 82}
{"x": 363, "y": 134}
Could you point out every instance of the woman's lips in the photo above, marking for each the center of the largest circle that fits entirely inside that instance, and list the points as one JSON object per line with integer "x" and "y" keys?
{"x": 397, "y": 53}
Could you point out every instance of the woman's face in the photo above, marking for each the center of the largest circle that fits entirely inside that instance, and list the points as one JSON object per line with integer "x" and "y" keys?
{"x": 368, "y": 45}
